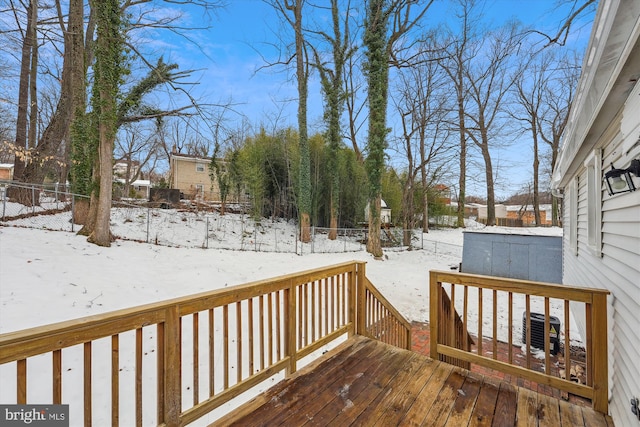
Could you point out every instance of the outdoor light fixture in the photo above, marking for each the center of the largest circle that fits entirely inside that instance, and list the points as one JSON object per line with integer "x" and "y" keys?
{"x": 619, "y": 180}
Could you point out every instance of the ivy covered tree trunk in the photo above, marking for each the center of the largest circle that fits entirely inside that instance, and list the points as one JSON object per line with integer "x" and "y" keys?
{"x": 304, "y": 192}
{"x": 332, "y": 86}
{"x": 377, "y": 71}
{"x": 108, "y": 70}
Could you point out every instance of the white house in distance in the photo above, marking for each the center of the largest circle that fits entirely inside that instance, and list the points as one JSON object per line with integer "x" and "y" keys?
{"x": 601, "y": 239}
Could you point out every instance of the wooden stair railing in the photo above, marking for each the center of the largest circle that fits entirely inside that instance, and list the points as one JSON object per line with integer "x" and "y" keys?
{"x": 179, "y": 360}
{"x": 499, "y": 294}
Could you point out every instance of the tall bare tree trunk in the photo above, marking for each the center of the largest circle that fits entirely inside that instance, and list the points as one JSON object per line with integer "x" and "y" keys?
{"x": 58, "y": 129}
{"x": 23, "y": 90}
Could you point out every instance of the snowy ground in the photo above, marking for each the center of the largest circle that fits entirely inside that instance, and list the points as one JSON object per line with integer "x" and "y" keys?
{"x": 61, "y": 276}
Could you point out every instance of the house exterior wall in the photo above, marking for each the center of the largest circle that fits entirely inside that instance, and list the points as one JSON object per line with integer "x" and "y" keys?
{"x": 601, "y": 243}
{"x": 6, "y": 171}
{"x": 528, "y": 217}
{"x": 191, "y": 176}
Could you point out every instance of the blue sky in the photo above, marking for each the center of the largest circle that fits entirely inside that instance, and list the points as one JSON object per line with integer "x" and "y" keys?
{"x": 249, "y": 25}
{"x": 228, "y": 56}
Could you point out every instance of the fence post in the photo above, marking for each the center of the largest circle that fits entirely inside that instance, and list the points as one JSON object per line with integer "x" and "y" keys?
{"x": 33, "y": 199}
{"x": 73, "y": 210}
{"x": 313, "y": 235}
{"x": 4, "y": 200}
{"x": 345, "y": 242}
{"x": 148, "y": 220}
{"x": 206, "y": 231}
{"x": 275, "y": 238}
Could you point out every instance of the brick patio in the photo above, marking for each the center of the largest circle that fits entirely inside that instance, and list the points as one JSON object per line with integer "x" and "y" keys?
{"x": 420, "y": 344}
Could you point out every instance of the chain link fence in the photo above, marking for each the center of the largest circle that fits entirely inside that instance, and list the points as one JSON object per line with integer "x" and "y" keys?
{"x": 198, "y": 226}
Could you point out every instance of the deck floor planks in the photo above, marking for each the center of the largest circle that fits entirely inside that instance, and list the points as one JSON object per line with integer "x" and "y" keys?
{"x": 311, "y": 410}
{"x": 527, "y": 413}
{"x": 506, "y": 405}
{"x": 365, "y": 382}
{"x": 351, "y": 401}
{"x": 418, "y": 411}
{"x": 379, "y": 405}
{"x": 593, "y": 419}
{"x": 548, "y": 411}
{"x": 398, "y": 405}
{"x": 465, "y": 401}
{"x": 284, "y": 395}
{"x": 290, "y": 407}
{"x": 483, "y": 410}
{"x": 570, "y": 414}
{"x": 439, "y": 412}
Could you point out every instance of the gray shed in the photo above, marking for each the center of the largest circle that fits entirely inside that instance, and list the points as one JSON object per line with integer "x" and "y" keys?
{"x": 517, "y": 256}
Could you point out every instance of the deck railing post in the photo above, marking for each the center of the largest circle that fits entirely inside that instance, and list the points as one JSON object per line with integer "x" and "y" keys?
{"x": 290, "y": 328}
{"x": 361, "y": 301}
{"x": 434, "y": 315}
{"x": 600, "y": 355}
{"x": 172, "y": 367}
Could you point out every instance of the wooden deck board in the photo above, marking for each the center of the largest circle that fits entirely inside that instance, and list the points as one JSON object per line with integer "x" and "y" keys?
{"x": 483, "y": 410}
{"x": 365, "y": 382}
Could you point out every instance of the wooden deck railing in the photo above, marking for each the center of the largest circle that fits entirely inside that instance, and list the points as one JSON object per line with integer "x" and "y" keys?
{"x": 499, "y": 295}
{"x": 172, "y": 362}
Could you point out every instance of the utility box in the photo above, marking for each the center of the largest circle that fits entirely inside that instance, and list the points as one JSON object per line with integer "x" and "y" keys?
{"x": 536, "y": 257}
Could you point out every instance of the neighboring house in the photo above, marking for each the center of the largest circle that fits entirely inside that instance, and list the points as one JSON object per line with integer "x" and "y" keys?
{"x": 190, "y": 175}
{"x": 601, "y": 231}
{"x": 6, "y": 171}
{"x": 121, "y": 167}
{"x": 527, "y": 214}
{"x": 385, "y": 213}
{"x": 141, "y": 187}
{"x": 510, "y": 215}
{"x": 124, "y": 171}
{"x": 443, "y": 194}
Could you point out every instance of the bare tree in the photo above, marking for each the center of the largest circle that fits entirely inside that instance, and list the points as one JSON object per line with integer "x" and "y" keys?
{"x": 48, "y": 145}
{"x": 29, "y": 49}
{"x": 137, "y": 149}
{"x": 577, "y": 9}
{"x": 489, "y": 78}
{"x": 333, "y": 89}
{"x": 557, "y": 97}
{"x": 458, "y": 53}
{"x": 291, "y": 12}
{"x": 421, "y": 105}
{"x": 529, "y": 89}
